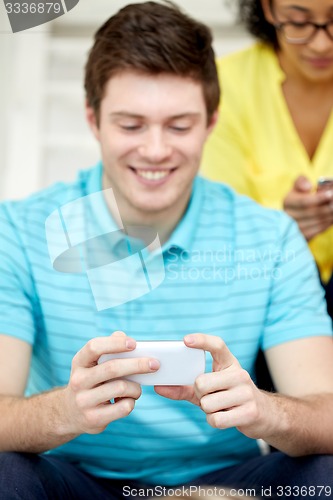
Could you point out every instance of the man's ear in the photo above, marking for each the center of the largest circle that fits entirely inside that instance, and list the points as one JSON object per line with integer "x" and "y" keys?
{"x": 92, "y": 121}
{"x": 267, "y": 8}
{"x": 213, "y": 122}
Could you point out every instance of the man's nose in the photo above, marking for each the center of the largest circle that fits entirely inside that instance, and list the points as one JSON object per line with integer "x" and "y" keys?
{"x": 155, "y": 146}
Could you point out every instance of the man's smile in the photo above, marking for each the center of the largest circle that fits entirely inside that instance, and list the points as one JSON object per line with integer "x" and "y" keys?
{"x": 152, "y": 174}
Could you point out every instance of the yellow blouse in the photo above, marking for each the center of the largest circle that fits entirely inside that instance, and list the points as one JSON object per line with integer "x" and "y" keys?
{"x": 255, "y": 147}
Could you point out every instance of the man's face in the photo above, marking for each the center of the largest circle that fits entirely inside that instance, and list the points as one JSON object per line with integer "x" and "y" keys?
{"x": 313, "y": 61}
{"x": 151, "y": 130}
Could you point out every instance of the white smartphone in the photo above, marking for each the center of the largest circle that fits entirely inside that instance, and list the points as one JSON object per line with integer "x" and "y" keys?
{"x": 180, "y": 365}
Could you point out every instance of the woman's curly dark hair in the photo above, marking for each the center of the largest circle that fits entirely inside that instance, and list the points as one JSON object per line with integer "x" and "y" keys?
{"x": 252, "y": 15}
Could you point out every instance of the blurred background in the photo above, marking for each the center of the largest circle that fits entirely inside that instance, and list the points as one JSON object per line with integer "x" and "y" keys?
{"x": 43, "y": 134}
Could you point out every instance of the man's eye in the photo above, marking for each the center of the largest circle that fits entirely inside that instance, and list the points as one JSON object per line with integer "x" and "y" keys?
{"x": 130, "y": 127}
{"x": 180, "y": 129}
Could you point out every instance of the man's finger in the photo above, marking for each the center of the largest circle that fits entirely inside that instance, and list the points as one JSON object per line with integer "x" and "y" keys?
{"x": 209, "y": 383}
{"x": 177, "y": 392}
{"x": 90, "y": 353}
{"x": 113, "y": 369}
{"x": 222, "y": 357}
{"x": 112, "y": 390}
{"x": 118, "y": 334}
{"x": 105, "y": 414}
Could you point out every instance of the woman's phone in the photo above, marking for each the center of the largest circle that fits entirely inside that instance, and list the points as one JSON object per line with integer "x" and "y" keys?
{"x": 180, "y": 365}
{"x": 324, "y": 183}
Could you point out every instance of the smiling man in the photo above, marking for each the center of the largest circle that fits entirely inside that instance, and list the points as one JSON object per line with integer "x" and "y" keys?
{"x": 236, "y": 273}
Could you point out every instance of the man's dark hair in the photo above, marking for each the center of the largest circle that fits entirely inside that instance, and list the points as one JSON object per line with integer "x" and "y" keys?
{"x": 152, "y": 38}
{"x": 252, "y": 15}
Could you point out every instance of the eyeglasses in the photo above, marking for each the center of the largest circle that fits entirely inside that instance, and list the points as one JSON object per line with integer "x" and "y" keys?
{"x": 298, "y": 33}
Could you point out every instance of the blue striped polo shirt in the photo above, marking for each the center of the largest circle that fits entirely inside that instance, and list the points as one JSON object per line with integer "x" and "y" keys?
{"x": 232, "y": 269}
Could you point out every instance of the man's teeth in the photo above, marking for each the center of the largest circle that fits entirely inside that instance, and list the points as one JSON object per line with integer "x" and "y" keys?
{"x": 153, "y": 175}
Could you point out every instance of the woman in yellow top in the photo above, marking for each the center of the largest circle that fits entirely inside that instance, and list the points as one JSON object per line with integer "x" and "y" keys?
{"x": 274, "y": 138}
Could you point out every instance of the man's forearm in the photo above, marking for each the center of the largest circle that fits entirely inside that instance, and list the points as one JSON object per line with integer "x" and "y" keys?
{"x": 301, "y": 426}
{"x": 33, "y": 424}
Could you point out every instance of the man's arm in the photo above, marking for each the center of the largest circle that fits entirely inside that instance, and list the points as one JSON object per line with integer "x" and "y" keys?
{"x": 49, "y": 419}
{"x": 15, "y": 358}
{"x": 33, "y": 424}
{"x": 298, "y": 422}
{"x": 26, "y": 424}
{"x": 302, "y": 371}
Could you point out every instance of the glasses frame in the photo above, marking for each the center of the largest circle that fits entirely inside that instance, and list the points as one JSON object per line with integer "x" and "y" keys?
{"x": 299, "y": 41}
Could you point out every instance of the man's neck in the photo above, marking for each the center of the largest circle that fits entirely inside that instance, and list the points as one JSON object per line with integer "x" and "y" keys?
{"x": 163, "y": 222}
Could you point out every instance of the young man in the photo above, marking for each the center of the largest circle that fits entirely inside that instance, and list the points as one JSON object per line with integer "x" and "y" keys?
{"x": 238, "y": 274}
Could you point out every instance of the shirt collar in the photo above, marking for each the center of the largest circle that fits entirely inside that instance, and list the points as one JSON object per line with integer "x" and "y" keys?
{"x": 183, "y": 235}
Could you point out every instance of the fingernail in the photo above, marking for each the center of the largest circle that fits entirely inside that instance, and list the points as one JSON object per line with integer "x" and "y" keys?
{"x": 130, "y": 343}
{"x": 189, "y": 339}
{"x": 154, "y": 364}
{"x": 329, "y": 194}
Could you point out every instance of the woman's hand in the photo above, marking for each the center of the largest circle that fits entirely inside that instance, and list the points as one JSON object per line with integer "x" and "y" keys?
{"x": 313, "y": 211}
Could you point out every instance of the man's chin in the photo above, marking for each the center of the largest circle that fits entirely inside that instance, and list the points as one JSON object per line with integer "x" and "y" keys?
{"x": 152, "y": 209}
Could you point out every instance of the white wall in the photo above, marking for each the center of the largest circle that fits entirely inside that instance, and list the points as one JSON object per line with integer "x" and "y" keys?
{"x": 43, "y": 134}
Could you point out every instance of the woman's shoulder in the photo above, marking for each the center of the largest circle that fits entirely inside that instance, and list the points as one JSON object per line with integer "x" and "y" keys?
{"x": 256, "y": 58}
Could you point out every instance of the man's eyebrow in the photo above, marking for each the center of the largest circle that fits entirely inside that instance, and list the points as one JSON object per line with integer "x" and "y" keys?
{"x": 125, "y": 114}
{"x": 185, "y": 115}
{"x": 128, "y": 114}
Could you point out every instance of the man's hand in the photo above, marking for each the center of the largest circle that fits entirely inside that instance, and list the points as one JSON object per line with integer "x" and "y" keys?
{"x": 313, "y": 211}
{"x": 227, "y": 395}
{"x": 92, "y": 386}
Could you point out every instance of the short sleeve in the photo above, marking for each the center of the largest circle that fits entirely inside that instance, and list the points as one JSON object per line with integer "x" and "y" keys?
{"x": 16, "y": 283}
{"x": 297, "y": 307}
